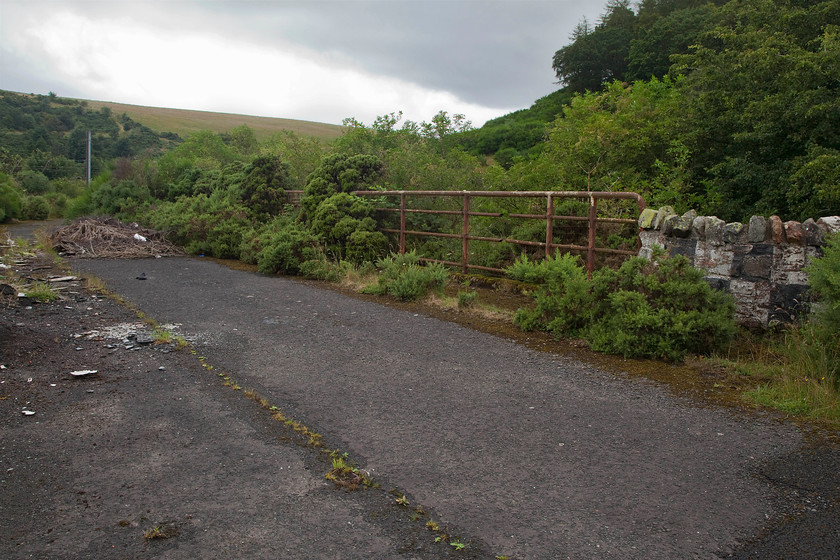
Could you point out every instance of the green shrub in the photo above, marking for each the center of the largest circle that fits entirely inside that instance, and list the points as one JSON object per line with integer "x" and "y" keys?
{"x": 660, "y": 308}
{"x": 9, "y": 200}
{"x": 78, "y": 206}
{"x": 466, "y": 299}
{"x": 824, "y": 276}
{"x": 402, "y": 277}
{"x": 33, "y": 182}
{"x": 258, "y": 237}
{"x": 122, "y": 199}
{"x": 288, "y": 249}
{"x": 36, "y": 208}
{"x": 322, "y": 269}
{"x": 365, "y": 246}
{"x": 263, "y": 187}
{"x": 57, "y": 204}
{"x": 565, "y": 300}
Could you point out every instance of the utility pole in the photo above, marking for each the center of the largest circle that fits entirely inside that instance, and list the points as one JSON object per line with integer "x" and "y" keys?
{"x": 88, "y": 159}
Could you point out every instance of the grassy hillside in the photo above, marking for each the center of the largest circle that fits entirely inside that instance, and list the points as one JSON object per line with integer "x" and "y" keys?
{"x": 184, "y": 122}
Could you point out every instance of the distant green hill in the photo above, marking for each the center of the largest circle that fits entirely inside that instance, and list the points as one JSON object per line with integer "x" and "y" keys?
{"x": 185, "y": 122}
{"x": 47, "y": 134}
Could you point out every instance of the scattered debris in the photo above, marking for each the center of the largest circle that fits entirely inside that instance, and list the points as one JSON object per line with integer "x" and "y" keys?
{"x": 83, "y": 372}
{"x": 28, "y": 412}
{"x": 63, "y": 279}
{"x": 110, "y": 238}
{"x": 144, "y": 339}
{"x": 142, "y": 276}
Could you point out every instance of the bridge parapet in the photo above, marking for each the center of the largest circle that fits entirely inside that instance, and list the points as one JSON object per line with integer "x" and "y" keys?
{"x": 761, "y": 263}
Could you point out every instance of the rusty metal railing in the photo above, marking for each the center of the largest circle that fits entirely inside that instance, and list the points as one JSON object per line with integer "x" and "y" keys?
{"x": 466, "y": 197}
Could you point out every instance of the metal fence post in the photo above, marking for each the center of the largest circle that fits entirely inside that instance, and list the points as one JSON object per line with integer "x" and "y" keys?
{"x": 549, "y": 225}
{"x": 402, "y": 223}
{"x": 465, "y": 236}
{"x": 590, "y": 251}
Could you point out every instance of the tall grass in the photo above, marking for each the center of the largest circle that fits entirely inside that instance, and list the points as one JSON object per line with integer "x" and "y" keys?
{"x": 802, "y": 375}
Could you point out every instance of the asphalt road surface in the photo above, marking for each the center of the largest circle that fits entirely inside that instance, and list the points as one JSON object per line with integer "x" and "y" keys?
{"x": 538, "y": 456}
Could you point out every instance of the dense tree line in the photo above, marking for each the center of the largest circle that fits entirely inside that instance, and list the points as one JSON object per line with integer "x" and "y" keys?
{"x": 732, "y": 108}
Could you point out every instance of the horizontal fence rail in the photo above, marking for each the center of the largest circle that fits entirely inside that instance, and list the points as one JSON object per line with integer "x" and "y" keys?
{"x": 465, "y": 199}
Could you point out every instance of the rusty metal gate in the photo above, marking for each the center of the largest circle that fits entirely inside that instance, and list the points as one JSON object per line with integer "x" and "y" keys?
{"x": 464, "y": 210}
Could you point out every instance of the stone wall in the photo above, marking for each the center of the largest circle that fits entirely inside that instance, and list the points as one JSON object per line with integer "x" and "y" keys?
{"x": 761, "y": 263}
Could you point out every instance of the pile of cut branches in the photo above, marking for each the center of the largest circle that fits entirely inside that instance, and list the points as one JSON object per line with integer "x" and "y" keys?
{"x": 111, "y": 238}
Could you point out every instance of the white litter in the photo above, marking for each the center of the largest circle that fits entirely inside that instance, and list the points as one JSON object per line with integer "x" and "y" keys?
{"x": 139, "y": 237}
{"x": 28, "y": 412}
{"x": 83, "y": 372}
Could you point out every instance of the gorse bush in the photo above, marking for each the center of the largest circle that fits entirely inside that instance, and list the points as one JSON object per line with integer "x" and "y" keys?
{"x": 36, "y": 208}
{"x": 402, "y": 277}
{"x": 288, "y": 249}
{"x": 209, "y": 225}
{"x": 660, "y": 308}
{"x": 342, "y": 220}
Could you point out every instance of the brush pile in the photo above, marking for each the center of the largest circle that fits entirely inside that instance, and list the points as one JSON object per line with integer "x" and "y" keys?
{"x": 110, "y": 238}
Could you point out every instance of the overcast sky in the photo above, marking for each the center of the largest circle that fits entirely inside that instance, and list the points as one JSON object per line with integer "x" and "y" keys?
{"x": 313, "y": 60}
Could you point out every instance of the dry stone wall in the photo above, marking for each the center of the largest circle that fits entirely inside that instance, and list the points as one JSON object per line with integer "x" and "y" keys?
{"x": 760, "y": 263}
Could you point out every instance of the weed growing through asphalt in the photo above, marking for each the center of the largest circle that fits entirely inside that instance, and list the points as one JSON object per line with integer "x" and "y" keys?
{"x": 344, "y": 475}
{"x": 161, "y": 532}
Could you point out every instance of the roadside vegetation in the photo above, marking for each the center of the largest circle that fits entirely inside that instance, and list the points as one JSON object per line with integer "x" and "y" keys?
{"x": 729, "y": 108}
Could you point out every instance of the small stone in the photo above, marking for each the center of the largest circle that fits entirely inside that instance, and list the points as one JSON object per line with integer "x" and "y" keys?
{"x": 144, "y": 339}
{"x": 830, "y": 223}
{"x": 663, "y": 213}
{"x": 794, "y": 232}
{"x": 698, "y": 226}
{"x": 714, "y": 230}
{"x": 646, "y": 219}
{"x": 814, "y": 234}
{"x": 679, "y": 226}
{"x": 757, "y": 229}
{"x": 732, "y": 232}
{"x": 777, "y": 229}
{"x": 161, "y": 368}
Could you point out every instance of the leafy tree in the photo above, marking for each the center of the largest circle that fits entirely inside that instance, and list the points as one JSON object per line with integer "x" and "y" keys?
{"x": 302, "y": 155}
{"x": 651, "y": 48}
{"x": 597, "y": 55}
{"x": 620, "y": 139}
{"x": 242, "y": 139}
{"x": 762, "y": 92}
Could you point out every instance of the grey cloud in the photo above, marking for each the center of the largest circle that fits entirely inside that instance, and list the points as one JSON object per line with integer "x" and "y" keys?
{"x": 492, "y": 53}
